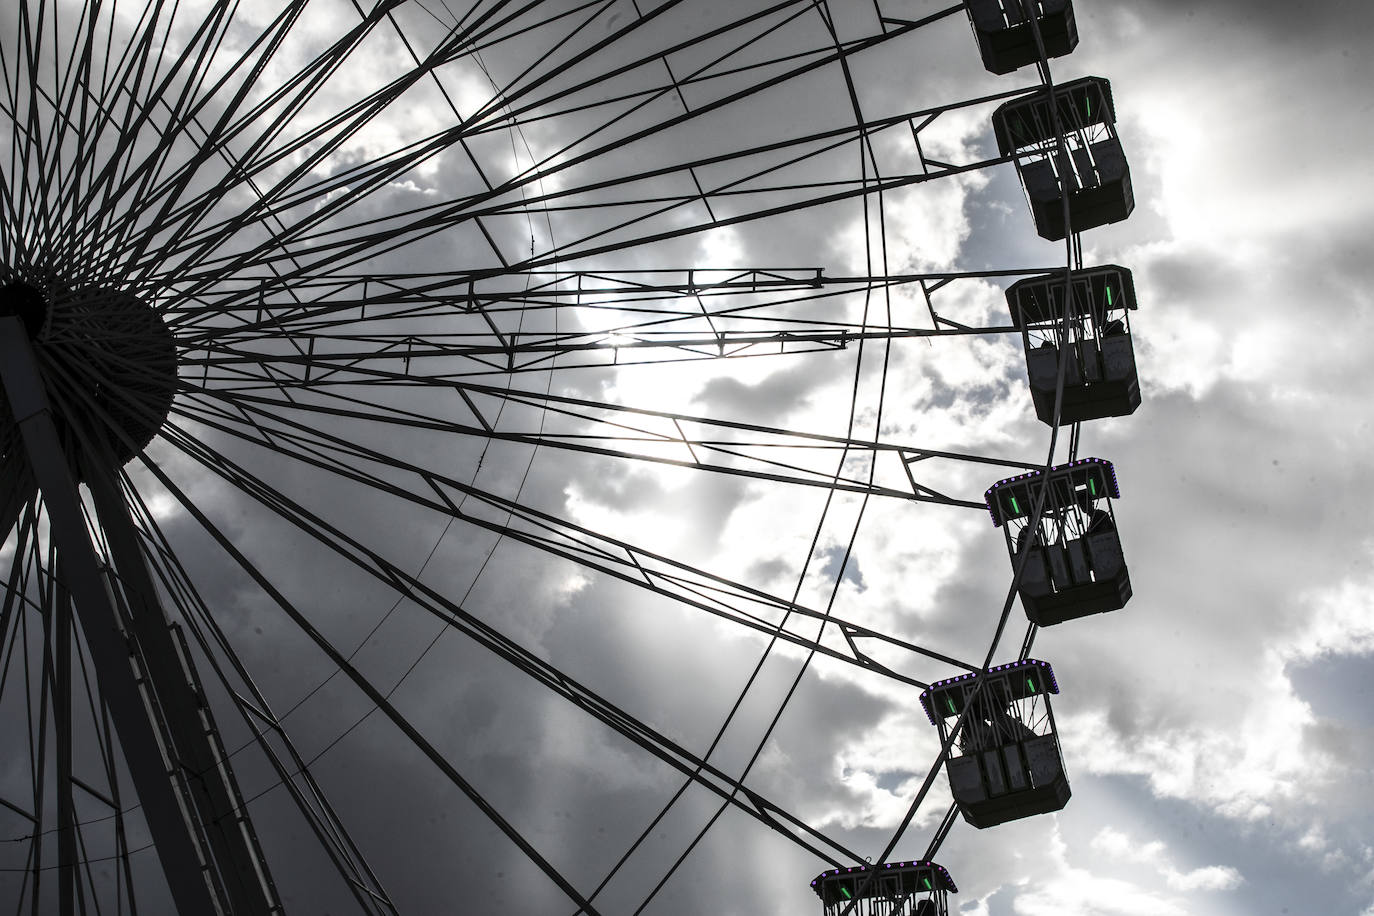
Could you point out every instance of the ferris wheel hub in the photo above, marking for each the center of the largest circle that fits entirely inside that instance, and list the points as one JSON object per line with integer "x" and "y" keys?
{"x": 109, "y": 365}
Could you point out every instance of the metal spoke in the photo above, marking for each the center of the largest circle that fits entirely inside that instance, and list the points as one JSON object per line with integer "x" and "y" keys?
{"x": 484, "y": 634}
{"x": 239, "y": 245}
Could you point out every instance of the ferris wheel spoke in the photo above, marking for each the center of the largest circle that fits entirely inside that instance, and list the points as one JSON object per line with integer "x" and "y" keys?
{"x": 159, "y": 224}
{"x": 126, "y": 80}
{"x": 144, "y": 59}
{"x": 256, "y": 713}
{"x": 49, "y": 171}
{"x": 85, "y": 133}
{"x": 623, "y": 432}
{"x": 13, "y": 598}
{"x": 137, "y": 178}
{"x": 164, "y": 103}
{"x": 830, "y": 53}
{"x": 350, "y": 246}
{"x": 352, "y": 249}
{"x": 535, "y": 111}
{"x": 842, "y": 640}
{"x": 453, "y": 616}
{"x": 181, "y": 116}
{"x": 376, "y": 697}
{"x": 26, "y": 65}
{"x": 254, "y": 369}
{"x": 339, "y": 300}
{"x": 407, "y": 327}
{"x": 316, "y": 145}
{"x": 387, "y": 167}
{"x": 629, "y": 299}
{"x": 625, "y": 322}
{"x": 256, "y": 185}
{"x": 523, "y": 83}
{"x": 269, "y": 118}
{"x": 74, "y": 113}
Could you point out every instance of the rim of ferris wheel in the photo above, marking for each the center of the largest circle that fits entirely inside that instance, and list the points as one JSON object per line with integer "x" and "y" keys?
{"x": 186, "y": 314}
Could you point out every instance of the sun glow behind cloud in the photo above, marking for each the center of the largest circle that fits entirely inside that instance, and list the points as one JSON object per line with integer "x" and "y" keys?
{"x": 1249, "y": 558}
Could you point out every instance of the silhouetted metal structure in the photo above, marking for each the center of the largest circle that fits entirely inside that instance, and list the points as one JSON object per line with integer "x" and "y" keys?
{"x": 88, "y": 376}
{"x": 1085, "y": 160}
{"x": 1100, "y": 378}
{"x": 1075, "y": 565}
{"x": 918, "y": 888}
{"x": 164, "y": 304}
{"x": 1009, "y": 764}
{"x": 1006, "y": 40}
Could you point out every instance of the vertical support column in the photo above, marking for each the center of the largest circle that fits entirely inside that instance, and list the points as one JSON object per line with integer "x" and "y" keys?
{"x": 16, "y": 489}
{"x": 200, "y": 758}
{"x": 60, "y": 644}
{"x": 178, "y": 846}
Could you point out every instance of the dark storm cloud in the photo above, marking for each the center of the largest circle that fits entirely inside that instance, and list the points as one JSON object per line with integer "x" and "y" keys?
{"x": 1311, "y": 28}
{"x": 830, "y": 570}
{"x": 775, "y": 397}
{"x": 618, "y": 489}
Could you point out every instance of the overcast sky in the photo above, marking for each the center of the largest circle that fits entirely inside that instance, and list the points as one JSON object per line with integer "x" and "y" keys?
{"x": 1216, "y": 731}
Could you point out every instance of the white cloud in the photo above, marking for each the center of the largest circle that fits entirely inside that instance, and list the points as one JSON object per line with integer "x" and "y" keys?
{"x": 1067, "y": 888}
{"x": 1208, "y": 878}
{"x": 1122, "y": 847}
{"x": 1250, "y": 331}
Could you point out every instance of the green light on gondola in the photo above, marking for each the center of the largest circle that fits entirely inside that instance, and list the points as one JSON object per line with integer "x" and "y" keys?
{"x": 1088, "y": 104}
{"x": 1092, "y": 486}
{"x": 951, "y": 704}
{"x": 1109, "y": 297}
{"x": 1014, "y": 506}
{"x": 847, "y": 894}
{"x": 926, "y": 882}
{"x": 1031, "y": 684}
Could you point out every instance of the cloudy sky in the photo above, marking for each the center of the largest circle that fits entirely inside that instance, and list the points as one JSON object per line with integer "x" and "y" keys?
{"x": 1216, "y": 730}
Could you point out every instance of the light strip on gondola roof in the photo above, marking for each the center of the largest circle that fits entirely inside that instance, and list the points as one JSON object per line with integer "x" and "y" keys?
{"x": 928, "y": 695}
{"x": 840, "y": 874}
{"x": 1113, "y": 488}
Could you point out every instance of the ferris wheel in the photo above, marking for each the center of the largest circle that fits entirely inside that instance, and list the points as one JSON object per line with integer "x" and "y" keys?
{"x": 346, "y": 349}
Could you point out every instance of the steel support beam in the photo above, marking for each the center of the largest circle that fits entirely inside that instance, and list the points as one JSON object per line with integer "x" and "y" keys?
{"x": 16, "y": 489}
{"x": 178, "y": 847}
{"x": 59, "y": 627}
{"x": 196, "y": 749}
